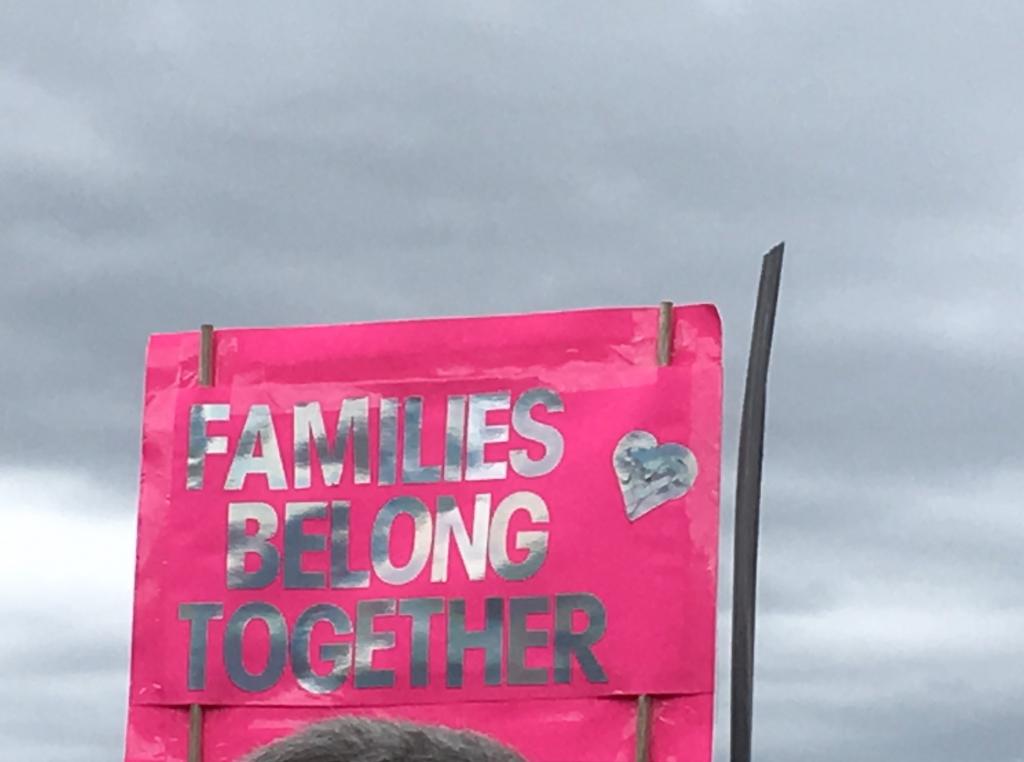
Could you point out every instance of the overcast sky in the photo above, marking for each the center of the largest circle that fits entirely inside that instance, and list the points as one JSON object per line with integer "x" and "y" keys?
{"x": 166, "y": 164}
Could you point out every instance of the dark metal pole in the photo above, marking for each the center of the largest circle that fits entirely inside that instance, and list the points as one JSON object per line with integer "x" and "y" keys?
{"x": 748, "y": 508}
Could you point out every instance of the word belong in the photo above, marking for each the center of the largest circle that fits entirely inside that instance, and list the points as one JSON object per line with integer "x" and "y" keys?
{"x": 485, "y": 541}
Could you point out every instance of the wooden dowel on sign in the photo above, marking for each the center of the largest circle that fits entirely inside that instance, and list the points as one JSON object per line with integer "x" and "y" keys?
{"x": 643, "y": 729}
{"x": 195, "y": 711}
{"x": 748, "y": 509}
{"x": 643, "y": 703}
{"x": 665, "y": 333}
{"x": 195, "y": 733}
{"x": 206, "y": 355}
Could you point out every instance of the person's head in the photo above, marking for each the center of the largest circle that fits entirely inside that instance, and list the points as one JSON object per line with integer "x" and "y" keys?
{"x": 351, "y": 739}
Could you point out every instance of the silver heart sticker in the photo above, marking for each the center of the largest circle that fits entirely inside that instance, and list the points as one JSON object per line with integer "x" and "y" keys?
{"x": 651, "y": 474}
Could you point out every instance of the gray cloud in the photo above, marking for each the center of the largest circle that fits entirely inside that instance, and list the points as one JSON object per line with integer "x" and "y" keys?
{"x": 177, "y": 163}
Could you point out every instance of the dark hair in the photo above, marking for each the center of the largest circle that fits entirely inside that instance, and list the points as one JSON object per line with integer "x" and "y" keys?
{"x": 353, "y": 739}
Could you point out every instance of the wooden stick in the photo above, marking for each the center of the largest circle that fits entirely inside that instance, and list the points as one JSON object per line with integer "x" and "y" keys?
{"x": 195, "y": 733}
{"x": 206, "y": 355}
{"x": 643, "y": 703}
{"x": 195, "y": 711}
{"x": 665, "y": 333}
{"x": 748, "y": 509}
{"x": 643, "y": 729}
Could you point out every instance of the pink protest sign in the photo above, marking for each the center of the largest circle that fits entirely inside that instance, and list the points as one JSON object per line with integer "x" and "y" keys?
{"x": 482, "y": 521}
